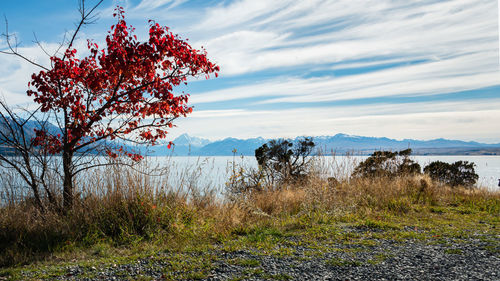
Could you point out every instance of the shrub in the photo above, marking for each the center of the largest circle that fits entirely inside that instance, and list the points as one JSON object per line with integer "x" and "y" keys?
{"x": 285, "y": 161}
{"x": 388, "y": 164}
{"x": 459, "y": 173}
{"x": 280, "y": 162}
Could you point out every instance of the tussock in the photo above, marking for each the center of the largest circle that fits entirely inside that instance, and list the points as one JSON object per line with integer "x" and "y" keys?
{"x": 123, "y": 206}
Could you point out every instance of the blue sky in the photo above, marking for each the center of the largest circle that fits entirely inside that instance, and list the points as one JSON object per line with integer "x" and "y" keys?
{"x": 393, "y": 68}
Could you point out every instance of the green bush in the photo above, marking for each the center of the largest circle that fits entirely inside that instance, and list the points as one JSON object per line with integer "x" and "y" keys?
{"x": 280, "y": 162}
{"x": 460, "y": 173}
{"x": 283, "y": 160}
{"x": 387, "y": 164}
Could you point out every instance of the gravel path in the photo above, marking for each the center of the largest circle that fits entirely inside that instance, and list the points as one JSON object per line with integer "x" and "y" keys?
{"x": 471, "y": 259}
{"x": 386, "y": 261}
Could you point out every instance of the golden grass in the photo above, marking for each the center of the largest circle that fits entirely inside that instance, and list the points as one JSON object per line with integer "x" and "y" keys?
{"x": 123, "y": 207}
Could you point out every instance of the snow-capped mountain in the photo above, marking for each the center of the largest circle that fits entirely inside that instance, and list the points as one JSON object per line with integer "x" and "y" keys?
{"x": 339, "y": 144}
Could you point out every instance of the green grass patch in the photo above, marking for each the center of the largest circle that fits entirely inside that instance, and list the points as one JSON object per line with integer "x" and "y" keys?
{"x": 245, "y": 262}
{"x": 280, "y": 276}
{"x": 379, "y": 258}
{"x": 378, "y": 225}
{"x": 339, "y": 262}
{"x": 454, "y": 251}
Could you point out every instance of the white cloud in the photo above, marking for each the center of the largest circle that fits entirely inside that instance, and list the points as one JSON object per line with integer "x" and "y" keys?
{"x": 467, "y": 120}
{"x": 462, "y": 73}
{"x": 442, "y": 29}
{"x": 454, "y": 42}
{"x": 225, "y": 113}
{"x": 15, "y": 72}
{"x": 148, "y": 5}
{"x": 239, "y": 13}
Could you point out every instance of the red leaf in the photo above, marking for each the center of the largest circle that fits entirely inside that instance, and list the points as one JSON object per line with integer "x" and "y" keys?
{"x": 116, "y": 82}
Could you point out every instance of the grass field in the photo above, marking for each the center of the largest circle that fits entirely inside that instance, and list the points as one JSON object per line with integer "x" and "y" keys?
{"x": 125, "y": 216}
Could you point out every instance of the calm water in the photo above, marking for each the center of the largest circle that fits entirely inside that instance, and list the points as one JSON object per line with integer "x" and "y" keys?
{"x": 215, "y": 170}
{"x": 487, "y": 167}
{"x": 212, "y": 173}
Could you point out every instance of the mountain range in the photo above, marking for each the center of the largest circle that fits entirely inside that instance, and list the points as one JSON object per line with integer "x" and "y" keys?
{"x": 336, "y": 144}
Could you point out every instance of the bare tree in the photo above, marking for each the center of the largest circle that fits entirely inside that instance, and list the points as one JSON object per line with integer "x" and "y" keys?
{"x": 18, "y": 152}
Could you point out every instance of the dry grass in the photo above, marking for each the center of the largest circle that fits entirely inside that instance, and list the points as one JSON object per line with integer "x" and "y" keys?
{"x": 123, "y": 207}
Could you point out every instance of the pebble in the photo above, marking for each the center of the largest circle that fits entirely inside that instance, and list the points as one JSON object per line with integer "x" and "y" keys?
{"x": 411, "y": 260}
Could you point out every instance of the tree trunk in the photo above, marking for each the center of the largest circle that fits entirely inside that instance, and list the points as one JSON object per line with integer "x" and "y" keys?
{"x": 68, "y": 180}
{"x": 36, "y": 193}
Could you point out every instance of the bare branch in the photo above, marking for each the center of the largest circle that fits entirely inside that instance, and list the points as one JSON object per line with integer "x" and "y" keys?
{"x": 86, "y": 18}
{"x": 36, "y": 41}
{"x": 13, "y": 48}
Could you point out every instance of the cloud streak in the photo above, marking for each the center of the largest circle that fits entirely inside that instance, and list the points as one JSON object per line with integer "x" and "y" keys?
{"x": 332, "y": 31}
{"x": 423, "y": 120}
{"x": 308, "y": 55}
{"x": 423, "y": 79}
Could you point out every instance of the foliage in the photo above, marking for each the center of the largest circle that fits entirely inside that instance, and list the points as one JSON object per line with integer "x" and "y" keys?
{"x": 129, "y": 82}
{"x": 124, "y": 91}
{"x": 387, "y": 163}
{"x": 284, "y": 160}
{"x": 459, "y": 173}
{"x": 280, "y": 162}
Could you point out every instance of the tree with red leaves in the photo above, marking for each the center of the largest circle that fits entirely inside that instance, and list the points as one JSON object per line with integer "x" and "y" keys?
{"x": 123, "y": 91}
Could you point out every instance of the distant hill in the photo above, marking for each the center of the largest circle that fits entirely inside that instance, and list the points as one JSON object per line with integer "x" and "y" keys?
{"x": 183, "y": 145}
{"x": 338, "y": 144}
{"x": 29, "y": 132}
{"x": 342, "y": 143}
{"x": 226, "y": 147}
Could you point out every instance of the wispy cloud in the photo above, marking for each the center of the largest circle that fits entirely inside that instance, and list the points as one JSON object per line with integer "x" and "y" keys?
{"x": 15, "y": 73}
{"x": 423, "y": 120}
{"x": 148, "y": 5}
{"x": 322, "y": 32}
{"x": 429, "y": 78}
{"x": 311, "y": 54}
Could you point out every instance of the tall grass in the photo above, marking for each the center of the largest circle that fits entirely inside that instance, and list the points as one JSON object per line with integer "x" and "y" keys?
{"x": 122, "y": 206}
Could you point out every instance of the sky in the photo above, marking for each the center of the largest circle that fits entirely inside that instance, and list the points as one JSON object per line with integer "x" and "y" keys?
{"x": 384, "y": 68}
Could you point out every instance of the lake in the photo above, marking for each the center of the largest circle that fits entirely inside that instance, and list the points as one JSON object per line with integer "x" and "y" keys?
{"x": 211, "y": 173}
{"x": 215, "y": 170}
